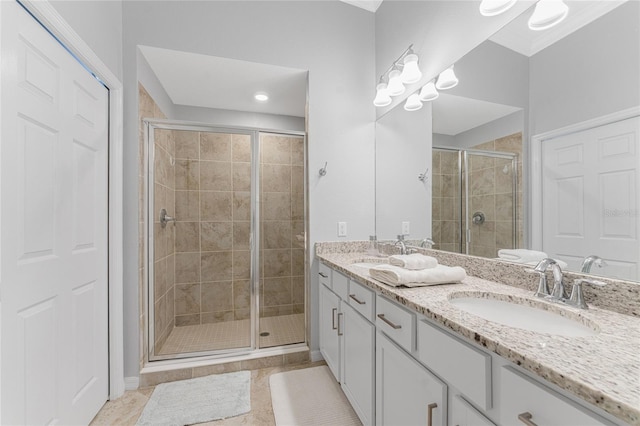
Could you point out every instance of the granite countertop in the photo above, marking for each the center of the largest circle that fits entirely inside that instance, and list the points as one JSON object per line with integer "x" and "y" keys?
{"x": 603, "y": 370}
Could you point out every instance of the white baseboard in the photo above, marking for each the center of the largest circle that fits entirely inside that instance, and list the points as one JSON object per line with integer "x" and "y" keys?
{"x": 315, "y": 356}
{"x": 131, "y": 383}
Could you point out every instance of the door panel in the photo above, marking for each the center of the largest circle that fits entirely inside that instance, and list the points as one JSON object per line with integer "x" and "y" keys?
{"x": 54, "y": 140}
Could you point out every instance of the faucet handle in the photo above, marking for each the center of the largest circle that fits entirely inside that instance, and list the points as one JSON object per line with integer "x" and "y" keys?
{"x": 543, "y": 287}
{"x": 400, "y": 237}
{"x": 577, "y": 297}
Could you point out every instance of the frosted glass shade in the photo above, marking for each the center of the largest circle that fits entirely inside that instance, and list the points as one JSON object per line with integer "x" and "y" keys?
{"x": 447, "y": 79}
{"x": 429, "y": 92}
{"x": 411, "y": 72}
{"x": 382, "y": 97}
{"x": 547, "y": 14}
{"x": 495, "y": 7}
{"x": 413, "y": 103}
{"x": 395, "y": 86}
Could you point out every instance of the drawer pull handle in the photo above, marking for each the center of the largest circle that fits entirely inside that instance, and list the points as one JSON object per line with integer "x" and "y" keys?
{"x": 323, "y": 275}
{"x": 340, "y": 333}
{"x": 358, "y": 301}
{"x": 392, "y": 325}
{"x": 430, "y": 408}
{"x": 526, "y": 418}
{"x": 333, "y": 318}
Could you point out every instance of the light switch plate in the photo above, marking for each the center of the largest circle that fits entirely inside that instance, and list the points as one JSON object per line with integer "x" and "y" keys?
{"x": 405, "y": 228}
{"x": 342, "y": 229}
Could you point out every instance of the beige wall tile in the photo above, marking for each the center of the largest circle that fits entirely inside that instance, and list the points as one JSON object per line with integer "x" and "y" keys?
{"x": 275, "y": 149}
{"x": 297, "y": 290}
{"x": 241, "y": 294}
{"x": 277, "y": 263}
{"x": 187, "y": 205}
{"x": 297, "y": 262}
{"x": 242, "y": 176}
{"x": 241, "y": 264}
{"x": 241, "y": 235}
{"x": 297, "y": 180}
{"x": 215, "y": 176}
{"x": 276, "y": 178}
{"x": 182, "y": 320}
{"x": 241, "y": 206}
{"x": 276, "y": 206}
{"x": 215, "y": 206}
{"x": 216, "y": 266}
{"x": 215, "y": 146}
{"x": 187, "y": 175}
{"x": 159, "y": 279}
{"x": 241, "y": 148}
{"x": 187, "y": 268}
{"x": 187, "y": 299}
{"x": 187, "y": 144}
{"x": 277, "y": 291}
{"x": 214, "y": 317}
{"x": 297, "y": 151}
{"x": 297, "y": 234}
{"x": 187, "y": 236}
{"x": 276, "y": 234}
{"x": 216, "y": 236}
{"x": 217, "y": 296}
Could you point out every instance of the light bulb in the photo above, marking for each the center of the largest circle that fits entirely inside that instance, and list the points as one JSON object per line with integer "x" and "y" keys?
{"x": 413, "y": 103}
{"x": 395, "y": 86}
{"x": 495, "y": 7}
{"x": 547, "y": 14}
{"x": 382, "y": 96}
{"x": 447, "y": 79}
{"x": 429, "y": 92}
{"x": 411, "y": 72}
{"x": 261, "y": 97}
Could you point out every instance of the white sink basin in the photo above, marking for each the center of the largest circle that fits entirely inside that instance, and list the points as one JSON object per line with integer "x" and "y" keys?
{"x": 516, "y": 315}
{"x": 367, "y": 264}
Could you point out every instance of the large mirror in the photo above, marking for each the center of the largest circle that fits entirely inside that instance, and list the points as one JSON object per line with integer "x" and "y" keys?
{"x": 515, "y": 163}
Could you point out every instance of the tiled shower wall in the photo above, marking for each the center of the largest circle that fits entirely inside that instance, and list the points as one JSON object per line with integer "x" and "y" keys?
{"x": 490, "y": 192}
{"x": 282, "y": 225}
{"x": 213, "y": 212}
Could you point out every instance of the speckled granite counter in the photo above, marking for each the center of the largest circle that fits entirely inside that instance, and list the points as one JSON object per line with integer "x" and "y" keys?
{"x": 603, "y": 370}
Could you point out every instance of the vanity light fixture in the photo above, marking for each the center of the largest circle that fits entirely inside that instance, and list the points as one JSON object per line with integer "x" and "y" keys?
{"x": 429, "y": 92}
{"x": 404, "y": 70}
{"x": 495, "y": 7}
{"x": 382, "y": 95}
{"x": 261, "y": 97}
{"x": 413, "y": 103}
{"x": 395, "y": 86}
{"x": 447, "y": 79}
{"x": 547, "y": 14}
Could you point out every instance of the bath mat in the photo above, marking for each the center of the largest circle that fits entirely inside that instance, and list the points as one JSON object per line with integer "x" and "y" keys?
{"x": 310, "y": 396}
{"x": 198, "y": 400}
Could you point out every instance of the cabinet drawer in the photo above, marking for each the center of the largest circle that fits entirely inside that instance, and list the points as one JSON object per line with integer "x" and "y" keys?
{"x": 340, "y": 285}
{"x": 464, "y": 367}
{"x": 463, "y": 414}
{"x": 324, "y": 274}
{"x": 520, "y": 394}
{"x": 396, "y": 322}
{"x": 362, "y": 299}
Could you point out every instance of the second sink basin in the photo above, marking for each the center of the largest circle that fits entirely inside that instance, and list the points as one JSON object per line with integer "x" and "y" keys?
{"x": 515, "y": 313}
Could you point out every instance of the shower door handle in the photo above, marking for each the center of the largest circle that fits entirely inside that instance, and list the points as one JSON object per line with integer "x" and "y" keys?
{"x": 165, "y": 218}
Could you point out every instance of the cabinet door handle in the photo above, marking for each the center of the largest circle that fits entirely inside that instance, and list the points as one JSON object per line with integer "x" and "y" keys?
{"x": 323, "y": 275}
{"x": 526, "y": 418}
{"x": 358, "y": 301}
{"x": 340, "y": 333}
{"x": 392, "y": 325}
{"x": 430, "y": 408}
{"x": 333, "y": 318}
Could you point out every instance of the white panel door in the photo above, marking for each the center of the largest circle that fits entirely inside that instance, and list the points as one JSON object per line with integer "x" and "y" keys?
{"x": 590, "y": 199}
{"x": 53, "y": 229}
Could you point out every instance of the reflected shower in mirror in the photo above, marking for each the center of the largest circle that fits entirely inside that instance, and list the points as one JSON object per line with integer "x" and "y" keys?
{"x": 518, "y": 92}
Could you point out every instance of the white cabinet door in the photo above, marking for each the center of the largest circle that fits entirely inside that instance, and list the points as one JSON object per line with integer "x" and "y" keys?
{"x": 54, "y": 133}
{"x": 463, "y": 414}
{"x": 358, "y": 362}
{"x": 329, "y": 339}
{"x": 406, "y": 392}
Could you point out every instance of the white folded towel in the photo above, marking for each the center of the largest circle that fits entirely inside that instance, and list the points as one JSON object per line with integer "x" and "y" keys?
{"x": 521, "y": 255}
{"x": 396, "y": 276}
{"x": 415, "y": 261}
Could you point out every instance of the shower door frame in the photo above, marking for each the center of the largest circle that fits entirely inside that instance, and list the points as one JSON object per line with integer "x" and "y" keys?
{"x": 254, "y": 239}
{"x": 463, "y": 166}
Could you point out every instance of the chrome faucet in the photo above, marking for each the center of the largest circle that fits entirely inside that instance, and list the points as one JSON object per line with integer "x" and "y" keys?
{"x": 401, "y": 243}
{"x": 590, "y": 261}
{"x": 427, "y": 243}
{"x": 557, "y": 294}
{"x": 577, "y": 298}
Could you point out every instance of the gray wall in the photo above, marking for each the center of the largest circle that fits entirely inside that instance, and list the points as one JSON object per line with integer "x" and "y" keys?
{"x": 592, "y": 72}
{"x": 505, "y": 126}
{"x": 334, "y": 41}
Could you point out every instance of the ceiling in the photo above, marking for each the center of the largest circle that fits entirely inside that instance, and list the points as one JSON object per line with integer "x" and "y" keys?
{"x": 456, "y": 114}
{"x": 370, "y": 5}
{"x": 213, "y": 82}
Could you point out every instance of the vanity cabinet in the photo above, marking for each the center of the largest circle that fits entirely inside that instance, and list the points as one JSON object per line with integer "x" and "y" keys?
{"x": 347, "y": 342}
{"x": 464, "y": 414}
{"x": 406, "y": 392}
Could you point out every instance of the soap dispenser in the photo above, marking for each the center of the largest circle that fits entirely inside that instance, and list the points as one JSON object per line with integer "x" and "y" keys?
{"x": 373, "y": 246}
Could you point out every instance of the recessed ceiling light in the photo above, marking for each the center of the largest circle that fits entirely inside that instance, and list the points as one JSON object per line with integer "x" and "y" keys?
{"x": 261, "y": 97}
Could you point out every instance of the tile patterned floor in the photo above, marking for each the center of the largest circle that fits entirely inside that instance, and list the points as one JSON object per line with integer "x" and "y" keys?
{"x": 283, "y": 330}
{"x": 126, "y": 410}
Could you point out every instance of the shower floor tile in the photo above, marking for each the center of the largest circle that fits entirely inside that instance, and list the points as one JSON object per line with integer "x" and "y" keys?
{"x": 283, "y": 330}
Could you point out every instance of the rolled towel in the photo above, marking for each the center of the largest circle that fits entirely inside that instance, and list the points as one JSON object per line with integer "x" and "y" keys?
{"x": 521, "y": 255}
{"x": 414, "y": 262}
{"x": 396, "y": 276}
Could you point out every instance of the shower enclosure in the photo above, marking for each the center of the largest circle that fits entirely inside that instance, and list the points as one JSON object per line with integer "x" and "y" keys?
{"x": 226, "y": 215}
{"x": 475, "y": 199}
